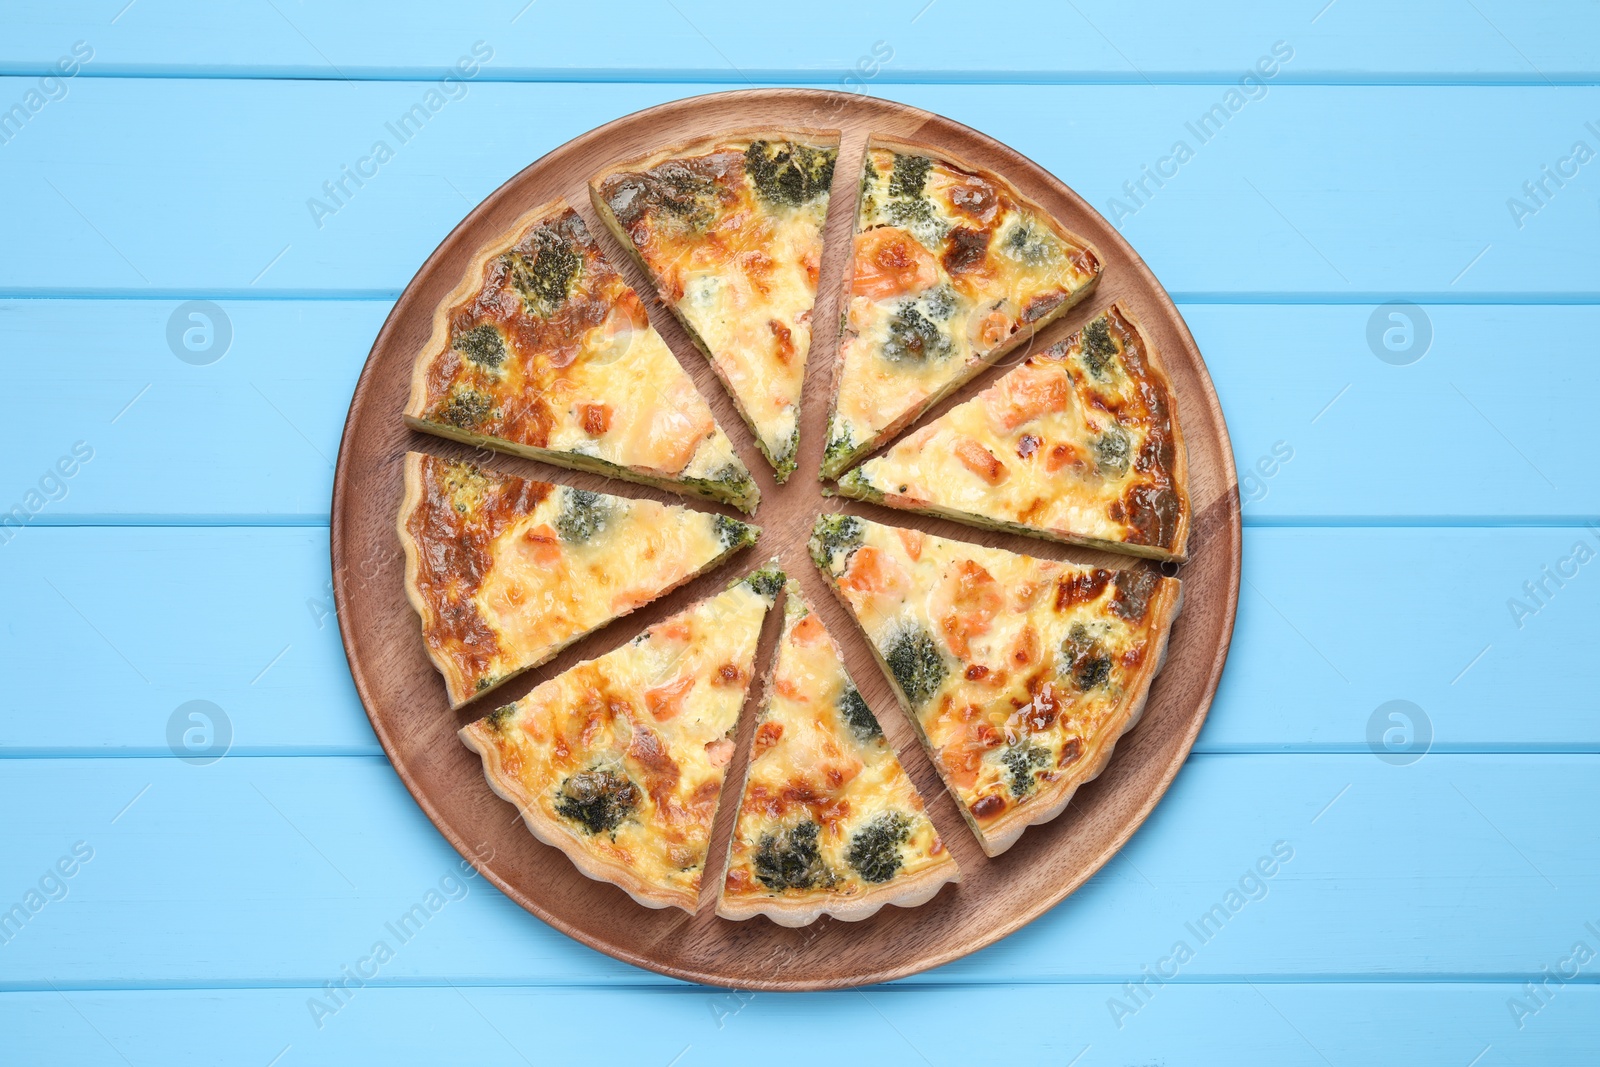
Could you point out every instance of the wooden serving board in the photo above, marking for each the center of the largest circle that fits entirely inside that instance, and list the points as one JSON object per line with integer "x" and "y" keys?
{"x": 405, "y": 697}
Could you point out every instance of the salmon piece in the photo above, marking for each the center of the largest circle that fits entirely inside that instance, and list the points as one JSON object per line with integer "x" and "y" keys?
{"x": 890, "y": 262}
{"x": 980, "y": 461}
{"x": 808, "y": 631}
{"x": 873, "y": 571}
{"x": 543, "y": 545}
{"x": 1028, "y": 393}
{"x": 665, "y": 701}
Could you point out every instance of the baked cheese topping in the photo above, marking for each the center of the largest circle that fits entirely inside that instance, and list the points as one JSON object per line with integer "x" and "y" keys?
{"x": 828, "y": 813}
{"x": 1078, "y": 444}
{"x": 1017, "y": 671}
{"x": 619, "y": 761}
{"x": 548, "y": 353}
{"x": 506, "y": 571}
{"x": 731, "y": 231}
{"x": 951, "y": 268}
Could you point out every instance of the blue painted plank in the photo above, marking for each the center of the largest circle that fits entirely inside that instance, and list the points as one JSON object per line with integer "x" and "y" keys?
{"x": 166, "y": 185}
{"x": 242, "y": 618}
{"x": 1323, "y": 429}
{"x": 1197, "y": 1025}
{"x": 282, "y": 870}
{"x": 915, "y": 39}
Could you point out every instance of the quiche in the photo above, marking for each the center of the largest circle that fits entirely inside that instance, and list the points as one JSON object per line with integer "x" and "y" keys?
{"x": 1079, "y": 444}
{"x": 730, "y": 230}
{"x": 543, "y": 350}
{"x": 506, "y": 571}
{"x": 619, "y": 761}
{"x": 1020, "y": 674}
{"x": 829, "y": 822}
{"x": 951, "y": 268}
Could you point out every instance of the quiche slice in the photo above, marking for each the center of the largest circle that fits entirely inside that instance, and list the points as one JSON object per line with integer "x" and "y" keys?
{"x": 952, "y": 268}
{"x": 506, "y": 571}
{"x": 544, "y": 351}
{"x": 1019, "y": 673}
{"x": 730, "y": 230}
{"x": 1079, "y": 444}
{"x": 830, "y": 822}
{"x": 619, "y": 762}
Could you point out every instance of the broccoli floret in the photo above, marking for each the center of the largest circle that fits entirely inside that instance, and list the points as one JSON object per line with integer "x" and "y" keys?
{"x": 498, "y": 718}
{"x": 731, "y": 533}
{"x": 786, "y": 173}
{"x": 840, "y": 442}
{"x": 914, "y": 337}
{"x": 583, "y": 514}
{"x": 790, "y": 859}
{"x": 545, "y": 279}
{"x": 916, "y": 663}
{"x": 874, "y": 850}
{"x": 1022, "y": 760}
{"x": 857, "y": 715}
{"x": 1098, "y": 349}
{"x": 465, "y": 408}
{"x": 940, "y": 302}
{"x": 909, "y": 176}
{"x": 766, "y": 582}
{"x": 1028, "y": 244}
{"x": 1084, "y": 659}
{"x": 483, "y": 345}
{"x": 833, "y": 534}
{"x": 1111, "y": 452}
{"x": 784, "y": 460}
{"x": 598, "y": 800}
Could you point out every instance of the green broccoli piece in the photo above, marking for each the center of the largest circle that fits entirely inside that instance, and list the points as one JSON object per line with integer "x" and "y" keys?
{"x": 483, "y": 345}
{"x": 466, "y": 408}
{"x": 790, "y": 859}
{"x": 1098, "y": 348}
{"x": 1022, "y": 760}
{"x": 840, "y": 442}
{"x": 874, "y": 849}
{"x": 766, "y": 582}
{"x": 1084, "y": 659}
{"x": 833, "y": 534}
{"x": 498, "y": 718}
{"x": 1112, "y": 452}
{"x": 914, "y": 337}
{"x": 853, "y": 708}
{"x": 731, "y": 533}
{"x": 545, "y": 279}
{"x": 791, "y": 174}
{"x": 916, "y": 663}
{"x": 598, "y": 800}
{"x": 909, "y": 176}
{"x": 583, "y": 514}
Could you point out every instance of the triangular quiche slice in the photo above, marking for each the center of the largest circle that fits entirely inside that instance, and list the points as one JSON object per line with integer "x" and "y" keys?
{"x": 1079, "y": 444}
{"x": 952, "y": 268}
{"x": 544, "y": 351}
{"x": 730, "y": 230}
{"x": 830, "y": 823}
{"x": 619, "y": 761}
{"x": 506, "y": 571}
{"x": 1019, "y": 673}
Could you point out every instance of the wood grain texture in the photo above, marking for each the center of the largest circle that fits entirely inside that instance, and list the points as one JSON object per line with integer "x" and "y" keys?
{"x": 405, "y": 700}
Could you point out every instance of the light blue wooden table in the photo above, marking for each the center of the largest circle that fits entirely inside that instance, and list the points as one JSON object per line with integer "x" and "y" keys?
{"x": 1420, "y": 506}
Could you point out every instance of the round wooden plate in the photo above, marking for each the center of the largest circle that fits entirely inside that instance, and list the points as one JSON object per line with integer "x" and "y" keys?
{"x": 405, "y": 698}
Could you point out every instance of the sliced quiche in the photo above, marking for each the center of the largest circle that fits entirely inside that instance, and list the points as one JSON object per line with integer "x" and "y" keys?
{"x": 1019, "y": 673}
{"x": 952, "y": 267}
{"x": 506, "y": 571}
{"x": 619, "y": 761}
{"x": 730, "y": 230}
{"x": 544, "y": 351}
{"x": 1079, "y": 444}
{"x": 830, "y": 822}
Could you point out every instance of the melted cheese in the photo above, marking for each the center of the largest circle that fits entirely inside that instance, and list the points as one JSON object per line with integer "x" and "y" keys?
{"x": 821, "y": 766}
{"x": 1016, "y": 670}
{"x": 951, "y": 268}
{"x": 506, "y": 571}
{"x": 1074, "y": 445}
{"x": 619, "y": 761}
{"x": 737, "y": 266}
{"x": 545, "y": 351}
